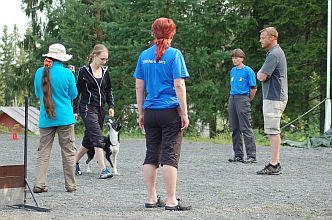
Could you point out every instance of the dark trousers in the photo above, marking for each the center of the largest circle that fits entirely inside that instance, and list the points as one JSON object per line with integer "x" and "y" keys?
{"x": 93, "y": 118}
{"x": 239, "y": 114}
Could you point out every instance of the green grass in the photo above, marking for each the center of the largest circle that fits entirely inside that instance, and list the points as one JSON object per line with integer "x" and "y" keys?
{"x": 132, "y": 135}
{"x": 222, "y": 138}
{"x": 226, "y": 138}
{"x": 260, "y": 138}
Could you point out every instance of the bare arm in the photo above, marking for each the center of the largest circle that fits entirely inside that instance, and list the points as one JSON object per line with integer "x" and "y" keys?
{"x": 262, "y": 76}
{"x": 253, "y": 91}
{"x": 180, "y": 89}
{"x": 140, "y": 100}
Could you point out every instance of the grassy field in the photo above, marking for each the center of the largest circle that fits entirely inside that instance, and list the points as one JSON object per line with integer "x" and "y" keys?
{"x": 222, "y": 138}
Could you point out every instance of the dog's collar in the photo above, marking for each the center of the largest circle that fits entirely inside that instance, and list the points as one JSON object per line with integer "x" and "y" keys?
{"x": 114, "y": 144}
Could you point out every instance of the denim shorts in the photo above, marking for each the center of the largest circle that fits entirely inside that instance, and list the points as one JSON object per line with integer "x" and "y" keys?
{"x": 272, "y": 111}
{"x": 163, "y": 136}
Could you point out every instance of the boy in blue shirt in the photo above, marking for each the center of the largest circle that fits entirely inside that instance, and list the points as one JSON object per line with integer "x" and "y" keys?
{"x": 243, "y": 90}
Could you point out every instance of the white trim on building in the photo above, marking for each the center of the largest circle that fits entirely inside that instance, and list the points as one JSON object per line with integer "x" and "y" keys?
{"x": 17, "y": 113}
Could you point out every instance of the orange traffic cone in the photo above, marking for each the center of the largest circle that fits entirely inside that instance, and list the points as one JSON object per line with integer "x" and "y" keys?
{"x": 15, "y": 137}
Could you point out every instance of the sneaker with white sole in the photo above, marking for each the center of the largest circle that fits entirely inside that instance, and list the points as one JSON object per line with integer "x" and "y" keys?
{"x": 78, "y": 169}
{"x": 270, "y": 170}
{"x": 235, "y": 159}
{"x": 105, "y": 173}
{"x": 250, "y": 160}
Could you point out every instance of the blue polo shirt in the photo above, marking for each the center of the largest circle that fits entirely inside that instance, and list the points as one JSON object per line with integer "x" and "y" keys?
{"x": 241, "y": 80}
{"x": 63, "y": 92}
{"x": 159, "y": 77}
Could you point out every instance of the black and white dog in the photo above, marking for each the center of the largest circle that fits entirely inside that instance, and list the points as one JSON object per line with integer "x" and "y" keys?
{"x": 112, "y": 146}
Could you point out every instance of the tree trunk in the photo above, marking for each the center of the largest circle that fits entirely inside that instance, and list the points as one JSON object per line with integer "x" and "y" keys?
{"x": 213, "y": 126}
{"x": 99, "y": 33}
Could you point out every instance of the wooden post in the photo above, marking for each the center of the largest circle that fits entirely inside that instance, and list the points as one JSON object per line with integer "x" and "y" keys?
{"x": 12, "y": 185}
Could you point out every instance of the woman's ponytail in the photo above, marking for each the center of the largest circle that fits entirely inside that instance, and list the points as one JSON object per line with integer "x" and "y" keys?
{"x": 163, "y": 30}
{"x": 47, "y": 88}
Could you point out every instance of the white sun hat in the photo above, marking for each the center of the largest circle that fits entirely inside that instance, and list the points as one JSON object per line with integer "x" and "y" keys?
{"x": 58, "y": 52}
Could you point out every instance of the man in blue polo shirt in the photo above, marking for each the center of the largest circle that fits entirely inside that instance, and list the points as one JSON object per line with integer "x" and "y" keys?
{"x": 243, "y": 90}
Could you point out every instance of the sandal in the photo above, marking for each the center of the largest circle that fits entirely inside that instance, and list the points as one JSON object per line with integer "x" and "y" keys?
{"x": 178, "y": 207}
{"x": 159, "y": 203}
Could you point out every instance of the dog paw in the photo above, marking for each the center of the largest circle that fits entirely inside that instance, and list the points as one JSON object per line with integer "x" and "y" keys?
{"x": 89, "y": 171}
{"x": 116, "y": 173}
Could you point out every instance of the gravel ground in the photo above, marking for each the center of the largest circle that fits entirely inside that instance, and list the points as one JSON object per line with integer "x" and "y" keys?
{"x": 215, "y": 188}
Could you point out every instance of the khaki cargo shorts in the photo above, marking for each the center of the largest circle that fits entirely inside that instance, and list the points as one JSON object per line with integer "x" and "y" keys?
{"x": 272, "y": 111}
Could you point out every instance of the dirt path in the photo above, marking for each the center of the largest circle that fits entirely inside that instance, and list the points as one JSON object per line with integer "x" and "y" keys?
{"x": 215, "y": 188}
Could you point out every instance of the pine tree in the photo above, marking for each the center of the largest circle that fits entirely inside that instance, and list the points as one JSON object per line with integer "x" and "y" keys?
{"x": 7, "y": 65}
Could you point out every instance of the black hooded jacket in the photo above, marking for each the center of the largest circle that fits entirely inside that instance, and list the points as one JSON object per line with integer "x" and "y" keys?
{"x": 90, "y": 92}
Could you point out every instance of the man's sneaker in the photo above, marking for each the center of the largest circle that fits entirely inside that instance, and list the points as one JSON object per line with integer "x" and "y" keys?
{"x": 270, "y": 170}
{"x": 250, "y": 160}
{"x": 235, "y": 159}
{"x": 105, "y": 173}
{"x": 78, "y": 169}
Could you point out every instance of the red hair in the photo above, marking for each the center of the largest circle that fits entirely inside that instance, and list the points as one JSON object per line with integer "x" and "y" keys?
{"x": 163, "y": 30}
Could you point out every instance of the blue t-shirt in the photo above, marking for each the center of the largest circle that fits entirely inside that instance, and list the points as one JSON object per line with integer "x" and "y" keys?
{"x": 159, "y": 77}
{"x": 63, "y": 92}
{"x": 241, "y": 80}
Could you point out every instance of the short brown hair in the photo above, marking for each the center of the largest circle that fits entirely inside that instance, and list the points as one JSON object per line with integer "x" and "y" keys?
{"x": 271, "y": 31}
{"x": 238, "y": 53}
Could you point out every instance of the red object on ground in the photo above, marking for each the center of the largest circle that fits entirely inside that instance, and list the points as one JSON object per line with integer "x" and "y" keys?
{"x": 15, "y": 137}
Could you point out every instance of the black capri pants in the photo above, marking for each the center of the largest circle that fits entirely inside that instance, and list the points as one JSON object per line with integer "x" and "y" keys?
{"x": 163, "y": 136}
{"x": 93, "y": 118}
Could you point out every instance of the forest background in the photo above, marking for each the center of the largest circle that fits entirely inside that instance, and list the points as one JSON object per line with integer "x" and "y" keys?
{"x": 207, "y": 30}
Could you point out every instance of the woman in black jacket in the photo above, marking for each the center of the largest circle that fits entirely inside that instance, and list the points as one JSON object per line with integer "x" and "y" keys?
{"x": 94, "y": 90}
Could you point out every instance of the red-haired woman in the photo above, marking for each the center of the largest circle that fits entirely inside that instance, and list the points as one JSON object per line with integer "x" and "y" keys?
{"x": 161, "y": 71}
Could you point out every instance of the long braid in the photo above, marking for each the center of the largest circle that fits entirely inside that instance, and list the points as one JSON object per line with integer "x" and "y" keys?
{"x": 47, "y": 88}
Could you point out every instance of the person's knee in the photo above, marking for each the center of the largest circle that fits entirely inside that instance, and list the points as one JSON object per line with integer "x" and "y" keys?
{"x": 274, "y": 137}
{"x": 154, "y": 165}
{"x": 98, "y": 144}
{"x": 151, "y": 160}
{"x": 98, "y": 148}
{"x": 170, "y": 163}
